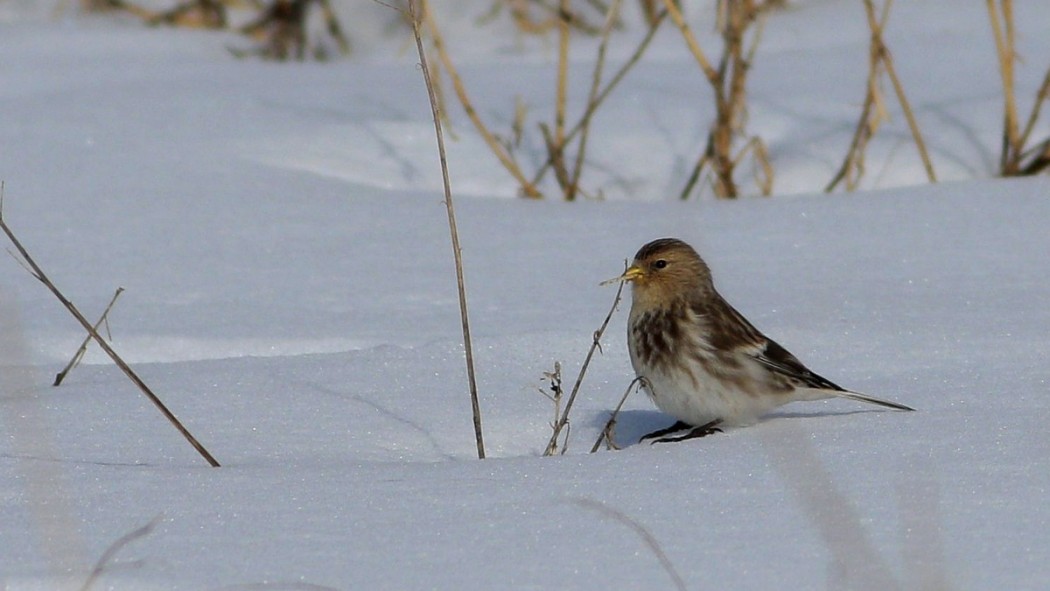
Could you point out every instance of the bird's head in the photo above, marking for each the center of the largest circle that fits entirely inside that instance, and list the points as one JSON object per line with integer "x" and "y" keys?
{"x": 666, "y": 270}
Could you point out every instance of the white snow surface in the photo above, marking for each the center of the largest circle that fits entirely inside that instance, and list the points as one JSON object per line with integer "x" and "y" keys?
{"x": 291, "y": 296}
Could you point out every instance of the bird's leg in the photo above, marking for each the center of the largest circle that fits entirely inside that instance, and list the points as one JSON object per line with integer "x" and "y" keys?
{"x": 678, "y": 426}
{"x": 701, "y": 431}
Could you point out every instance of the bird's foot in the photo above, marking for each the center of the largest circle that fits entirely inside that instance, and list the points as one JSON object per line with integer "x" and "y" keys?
{"x": 694, "y": 433}
{"x": 678, "y": 426}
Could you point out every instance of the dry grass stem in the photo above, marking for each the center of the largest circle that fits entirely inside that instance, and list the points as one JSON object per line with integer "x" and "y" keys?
{"x": 416, "y": 17}
{"x": 38, "y": 273}
{"x": 1040, "y": 97}
{"x": 608, "y": 435}
{"x": 898, "y": 89}
{"x": 560, "y": 424}
{"x": 103, "y": 320}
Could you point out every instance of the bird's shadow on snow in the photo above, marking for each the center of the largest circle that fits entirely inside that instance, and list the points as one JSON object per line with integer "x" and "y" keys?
{"x": 632, "y": 425}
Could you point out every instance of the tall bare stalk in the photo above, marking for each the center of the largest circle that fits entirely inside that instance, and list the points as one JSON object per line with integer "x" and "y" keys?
{"x": 417, "y": 17}
{"x": 608, "y": 435}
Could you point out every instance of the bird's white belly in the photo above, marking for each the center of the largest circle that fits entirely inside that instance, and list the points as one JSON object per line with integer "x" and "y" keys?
{"x": 706, "y": 399}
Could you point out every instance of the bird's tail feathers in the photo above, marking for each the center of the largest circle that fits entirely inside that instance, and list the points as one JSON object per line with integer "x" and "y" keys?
{"x": 871, "y": 400}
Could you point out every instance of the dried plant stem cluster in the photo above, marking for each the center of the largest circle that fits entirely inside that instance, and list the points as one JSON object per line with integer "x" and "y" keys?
{"x": 740, "y": 27}
{"x": 552, "y": 14}
{"x": 729, "y": 144}
{"x": 279, "y": 27}
{"x": 874, "y": 111}
{"x": 1017, "y": 157}
{"x": 566, "y": 145}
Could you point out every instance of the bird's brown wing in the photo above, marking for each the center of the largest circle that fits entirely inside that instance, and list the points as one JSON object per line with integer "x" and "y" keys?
{"x": 744, "y": 337}
{"x": 780, "y": 360}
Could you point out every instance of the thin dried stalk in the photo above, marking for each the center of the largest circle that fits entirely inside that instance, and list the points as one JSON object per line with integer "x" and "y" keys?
{"x": 650, "y": 10}
{"x": 416, "y": 17}
{"x": 38, "y": 273}
{"x": 83, "y": 346}
{"x": 519, "y": 10}
{"x": 552, "y": 445}
{"x": 608, "y": 434}
{"x": 852, "y": 167}
{"x": 561, "y": 88}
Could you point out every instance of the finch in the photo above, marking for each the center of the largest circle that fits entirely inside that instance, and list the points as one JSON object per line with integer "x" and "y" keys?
{"x": 700, "y": 360}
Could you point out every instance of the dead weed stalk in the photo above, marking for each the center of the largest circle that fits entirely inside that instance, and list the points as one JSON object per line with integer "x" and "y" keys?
{"x": 417, "y": 17}
{"x": 608, "y": 434}
{"x": 728, "y": 144}
{"x": 562, "y": 422}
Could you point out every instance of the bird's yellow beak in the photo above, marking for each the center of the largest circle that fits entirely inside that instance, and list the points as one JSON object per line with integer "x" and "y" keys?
{"x": 633, "y": 273}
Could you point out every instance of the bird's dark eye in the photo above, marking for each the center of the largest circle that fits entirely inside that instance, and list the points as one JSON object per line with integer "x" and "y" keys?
{"x": 660, "y": 264}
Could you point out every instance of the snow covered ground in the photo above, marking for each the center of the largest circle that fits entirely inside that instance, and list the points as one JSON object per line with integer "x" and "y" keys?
{"x": 291, "y": 296}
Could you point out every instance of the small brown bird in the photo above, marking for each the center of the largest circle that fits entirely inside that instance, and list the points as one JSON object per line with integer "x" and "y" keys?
{"x": 701, "y": 361}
